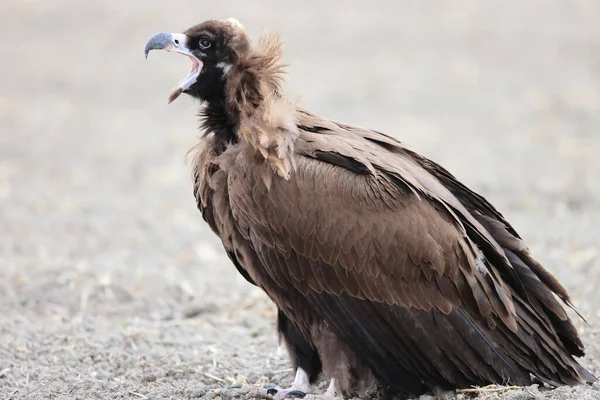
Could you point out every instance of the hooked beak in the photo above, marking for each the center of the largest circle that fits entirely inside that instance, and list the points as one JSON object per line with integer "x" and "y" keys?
{"x": 176, "y": 42}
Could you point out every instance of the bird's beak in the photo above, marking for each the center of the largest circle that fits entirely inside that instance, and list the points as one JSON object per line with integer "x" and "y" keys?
{"x": 176, "y": 42}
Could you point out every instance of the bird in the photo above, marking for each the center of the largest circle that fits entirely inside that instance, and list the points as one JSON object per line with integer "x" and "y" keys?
{"x": 385, "y": 269}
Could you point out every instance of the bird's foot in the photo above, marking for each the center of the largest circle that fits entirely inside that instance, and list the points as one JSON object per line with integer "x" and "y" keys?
{"x": 269, "y": 391}
{"x": 324, "y": 396}
{"x": 279, "y": 393}
{"x": 332, "y": 393}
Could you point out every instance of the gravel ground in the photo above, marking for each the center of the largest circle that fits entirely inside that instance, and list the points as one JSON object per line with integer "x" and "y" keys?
{"x": 111, "y": 286}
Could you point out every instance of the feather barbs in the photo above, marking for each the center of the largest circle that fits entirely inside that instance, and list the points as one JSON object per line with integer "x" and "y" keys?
{"x": 267, "y": 120}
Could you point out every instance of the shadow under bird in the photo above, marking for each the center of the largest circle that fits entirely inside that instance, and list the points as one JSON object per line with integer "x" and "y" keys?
{"x": 386, "y": 270}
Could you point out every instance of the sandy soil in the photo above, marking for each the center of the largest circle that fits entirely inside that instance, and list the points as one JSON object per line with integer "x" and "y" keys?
{"x": 111, "y": 286}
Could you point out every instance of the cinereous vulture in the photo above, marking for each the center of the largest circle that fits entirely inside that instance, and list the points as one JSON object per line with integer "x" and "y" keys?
{"x": 385, "y": 269}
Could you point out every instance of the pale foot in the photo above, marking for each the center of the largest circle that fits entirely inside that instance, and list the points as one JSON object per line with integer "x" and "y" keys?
{"x": 269, "y": 391}
{"x": 298, "y": 390}
{"x": 279, "y": 393}
{"x": 332, "y": 393}
{"x": 273, "y": 392}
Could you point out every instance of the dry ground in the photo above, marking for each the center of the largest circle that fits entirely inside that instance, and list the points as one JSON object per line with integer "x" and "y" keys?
{"x": 111, "y": 286}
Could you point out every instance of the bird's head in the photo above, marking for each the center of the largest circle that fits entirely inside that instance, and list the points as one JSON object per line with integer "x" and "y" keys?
{"x": 215, "y": 47}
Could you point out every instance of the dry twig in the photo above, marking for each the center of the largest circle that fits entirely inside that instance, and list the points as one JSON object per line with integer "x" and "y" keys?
{"x": 488, "y": 389}
{"x": 216, "y": 378}
{"x": 141, "y": 396}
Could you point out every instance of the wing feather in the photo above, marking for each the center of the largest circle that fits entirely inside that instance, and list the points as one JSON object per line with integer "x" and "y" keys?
{"x": 418, "y": 240}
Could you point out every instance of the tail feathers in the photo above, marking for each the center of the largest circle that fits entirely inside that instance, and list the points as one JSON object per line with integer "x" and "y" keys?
{"x": 538, "y": 349}
{"x": 546, "y": 305}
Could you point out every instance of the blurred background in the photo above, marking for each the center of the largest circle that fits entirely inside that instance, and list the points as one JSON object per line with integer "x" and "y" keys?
{"x": 111, "y": 285}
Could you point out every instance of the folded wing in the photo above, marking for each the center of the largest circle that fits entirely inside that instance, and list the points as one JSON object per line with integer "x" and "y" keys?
{"x": 407, "y": 265}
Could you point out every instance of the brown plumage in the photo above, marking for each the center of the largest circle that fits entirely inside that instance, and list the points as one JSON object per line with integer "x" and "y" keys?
{"x": 384, "y": 267}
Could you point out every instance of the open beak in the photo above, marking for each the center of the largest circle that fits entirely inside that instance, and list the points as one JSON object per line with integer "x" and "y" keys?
{"x": 176, "y": 42}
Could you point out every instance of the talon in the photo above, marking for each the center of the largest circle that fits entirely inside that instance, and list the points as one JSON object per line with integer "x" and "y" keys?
{"x": 297, "y": 394}
{"x": 283, "y": 394}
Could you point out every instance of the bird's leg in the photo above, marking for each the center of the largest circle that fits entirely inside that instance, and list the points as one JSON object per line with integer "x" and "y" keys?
{"x": 301, "y": 381}
{"x": 332, "y": 389}
{"x": 332, "y": 393}
{"x": 299, "y": 387}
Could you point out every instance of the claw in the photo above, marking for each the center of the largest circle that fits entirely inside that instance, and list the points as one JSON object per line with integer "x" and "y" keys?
{"x": 279, "y": 393}
{"x": 272, "y": 389}
{"x": 296, "y": 394}
{"x": 286, "y": 394}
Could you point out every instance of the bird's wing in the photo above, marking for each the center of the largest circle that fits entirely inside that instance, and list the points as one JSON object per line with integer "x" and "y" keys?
{"x": 213, "y": 206}
{"x": 524, "y": 274}
{"x": 386, "y": 253}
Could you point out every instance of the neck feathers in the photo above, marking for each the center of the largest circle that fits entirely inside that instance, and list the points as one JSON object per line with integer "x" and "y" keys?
{"x": 263, "y": 117}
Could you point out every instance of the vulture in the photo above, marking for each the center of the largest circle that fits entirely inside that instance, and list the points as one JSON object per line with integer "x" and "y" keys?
{"x": 387, "y": 272}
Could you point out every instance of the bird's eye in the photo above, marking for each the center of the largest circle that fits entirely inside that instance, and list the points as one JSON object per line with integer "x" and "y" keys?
{"x": 204, "y": 43}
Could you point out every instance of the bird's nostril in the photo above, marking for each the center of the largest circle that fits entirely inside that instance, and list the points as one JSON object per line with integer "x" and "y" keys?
{"x": 176, "y": 41}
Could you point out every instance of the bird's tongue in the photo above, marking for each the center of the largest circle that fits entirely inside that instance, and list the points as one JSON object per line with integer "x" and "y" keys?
{"x": 188, "y": 81}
